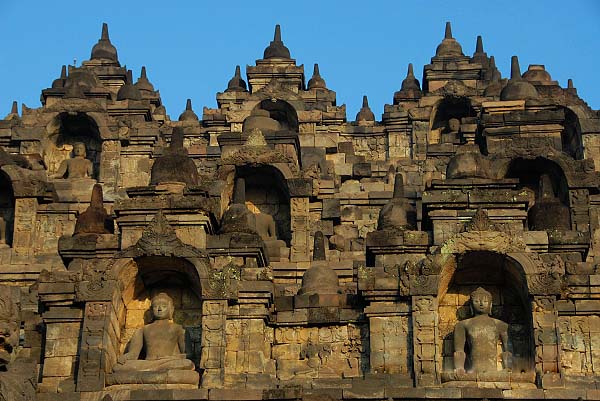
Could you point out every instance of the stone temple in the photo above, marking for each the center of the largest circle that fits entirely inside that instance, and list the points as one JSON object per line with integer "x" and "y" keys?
{"x": 272, "y": 248}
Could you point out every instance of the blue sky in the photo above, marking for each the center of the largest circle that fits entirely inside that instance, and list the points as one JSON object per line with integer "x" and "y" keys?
{"x": 191, "y": 48}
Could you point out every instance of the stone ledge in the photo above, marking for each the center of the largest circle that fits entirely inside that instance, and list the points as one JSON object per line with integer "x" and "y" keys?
{"x": 235, "y": 394}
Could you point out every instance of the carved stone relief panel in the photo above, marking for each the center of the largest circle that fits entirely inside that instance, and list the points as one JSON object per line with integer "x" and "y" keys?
{"x": 320, "y": 352}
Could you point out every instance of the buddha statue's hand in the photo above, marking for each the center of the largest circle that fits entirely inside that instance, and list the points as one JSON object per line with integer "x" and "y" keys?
{"x": 122, "y": 359}
{"x": 507, "y": 360}
{"x": 459, "y": 362}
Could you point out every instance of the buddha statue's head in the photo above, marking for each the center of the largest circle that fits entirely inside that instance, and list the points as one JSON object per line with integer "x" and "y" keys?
{"x": 481, "y": 302}
{"x": 162, "y": 307}
{"x": 79, "y": 149}
{"x": 453, "y": 125}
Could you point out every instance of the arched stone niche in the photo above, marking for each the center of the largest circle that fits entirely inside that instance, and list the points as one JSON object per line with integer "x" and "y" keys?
{"x": 179, "y": 279}
{"x": 505, "y": 279}
{"x": 529, "y": 172}
{"x": 67, "y": 129}
{"x": 282, "y": 112}
{"x": 7, "y": 210}
{"x": 449, "y": 108}
{"x": 571, "y": 140}
{"x": 267, "y": 192}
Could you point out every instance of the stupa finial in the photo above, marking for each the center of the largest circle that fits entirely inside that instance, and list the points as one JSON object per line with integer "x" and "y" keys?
{"x": 448, "y": 32}
{"x": 515, "y": 70}
{"x": 479, "y": 45}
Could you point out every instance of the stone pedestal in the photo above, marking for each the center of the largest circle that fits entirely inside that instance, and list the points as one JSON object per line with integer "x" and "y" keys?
{"x": 451, "y": 203}
{"x": 189, "y": 213}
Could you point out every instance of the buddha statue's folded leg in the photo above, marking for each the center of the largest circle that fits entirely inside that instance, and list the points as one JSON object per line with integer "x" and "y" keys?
{"x": 157, "y": 365}
{"x": 174, "y": 364}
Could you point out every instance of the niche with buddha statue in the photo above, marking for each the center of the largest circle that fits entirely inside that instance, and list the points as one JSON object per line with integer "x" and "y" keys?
{"x": 267, "y": 196}
{"x": 447, "y": 119}
{"x": 161, "y": 324}
{"x": 68, "y": 132}
{"x": 546, "y": 185}
{"x": 480, "y": 272}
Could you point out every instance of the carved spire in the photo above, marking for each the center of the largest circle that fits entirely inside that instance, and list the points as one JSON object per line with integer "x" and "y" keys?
{"x": 449, "y": 46}
{"x": 480, "y": 56}
{"x": 365, "y": 113}
{"x": 94, "y": 220}
{"x": 176, "y": 144}
{"x": 410, "y": 89}
{"x": 188, "y": 114}
{"x": 448, "y": 31}
{"x": 570, "y": 84}
{"x": 104, "y": 32}
{"x": 320, "y": 278}
{"x": 236, "y": 84}
{"x": 410, "y": 82}
{"x": 128, "y": 91}
{"x": 515, "y": 70}
{"x": 493, "y": 74}
{"x": 276, "y": 48}
{"x": 517, "y": 87}
{"x": 548, "y": 212}
{"x": 398, "y": 186}
{"x": 14, "y": 112}
{"x": 479, "y": 45}
{"x": 143, "y": 83}
{"x": 104, "y": 49}
{"x": 60, "y": 82}
{"x": 393, "y": 215}
{"x": 319, "y": 246}
{"x": 316, "y": 81}
{"x": 237, "y": 218}
{"x": 174, "y": 165}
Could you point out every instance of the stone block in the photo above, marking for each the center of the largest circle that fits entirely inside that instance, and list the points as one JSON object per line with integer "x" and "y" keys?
{"x": 58, "y": 366}
{"x": 348, "y": 231}
{"x": 284, "y": 303}
{"x": 360, "y": 170}
{"x": 350, "y": 186}
{"x": 351, "y": 213}
{"x": 61, "y": 347}
{"x": 222, "y": 394}
{"x": 363, "y": 389}
{"x": 331, "y": 209}
{"x": 62, "y": 330}
{"x": 343, "y": 169}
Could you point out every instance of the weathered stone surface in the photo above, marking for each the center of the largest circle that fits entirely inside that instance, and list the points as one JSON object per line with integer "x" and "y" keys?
{"x": 467, "y": 181}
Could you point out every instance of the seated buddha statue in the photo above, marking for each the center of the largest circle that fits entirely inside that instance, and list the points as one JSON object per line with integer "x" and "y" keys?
{"x": 76, "y": 167}
{"x": 451, "y": 134}
{"x": 481, "y": 333}
{"x": 265, "y": 227}
{"x": 162, "y": 340}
